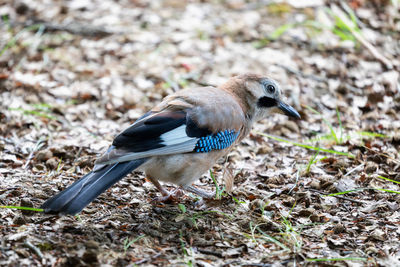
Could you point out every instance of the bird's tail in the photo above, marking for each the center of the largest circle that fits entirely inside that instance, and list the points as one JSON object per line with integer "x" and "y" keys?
{"x": 78, "y": 195}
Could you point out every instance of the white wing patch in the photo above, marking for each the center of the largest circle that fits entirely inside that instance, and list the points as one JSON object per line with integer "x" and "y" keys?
{"x": 121, "y": 156}
{"x": 176, "y": 136}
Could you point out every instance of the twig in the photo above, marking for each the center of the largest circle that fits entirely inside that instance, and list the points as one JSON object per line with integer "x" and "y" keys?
{"x": 37, "y": 146}
{"x": 78, "y": 154}
{"x": 301, "y": 74}
{"x": 72, "y": 27}
{"x": 35, "y": 249}
{"x": 354, "y": 169}
{"x": 147, "y": 259}
{"x": 174, "y": 85}
{"x": 201, "y": 83}
{"x": 374, "y": 52}
{"x": 381, "y": 154}
{"x": 210, "y": 252}
{"x": 315, "y": 77}
{"x": 295, "y": 184}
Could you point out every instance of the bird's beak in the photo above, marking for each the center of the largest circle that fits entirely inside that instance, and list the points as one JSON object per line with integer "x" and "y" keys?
{"x": 288, "y": 110}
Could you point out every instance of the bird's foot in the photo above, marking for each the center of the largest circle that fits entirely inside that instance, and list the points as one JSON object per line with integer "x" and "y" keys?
{"x": 199, "y": 192}
{"x": 168, "y": 197}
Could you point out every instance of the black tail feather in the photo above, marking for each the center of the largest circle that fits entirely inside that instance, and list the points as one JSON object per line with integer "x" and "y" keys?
{"x": 78, "y": 195}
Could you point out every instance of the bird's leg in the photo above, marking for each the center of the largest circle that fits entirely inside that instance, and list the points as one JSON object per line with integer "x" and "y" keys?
{"x": 160, "y": 188}
{"x": 199, "y": 192}
{"x": 166, "y": 195}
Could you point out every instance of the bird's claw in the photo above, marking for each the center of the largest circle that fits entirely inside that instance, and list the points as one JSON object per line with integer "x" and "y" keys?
{"x": 168, "y": 197}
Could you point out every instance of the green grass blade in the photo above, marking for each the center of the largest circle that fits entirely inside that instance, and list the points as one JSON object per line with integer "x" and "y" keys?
{"x": 34, "y": 112}
{"x": 326, "y": 122}
{"x": 182, "y": 207}
{"x": 21, "y": 208}
{"x": 340, "y": 125}
{"x": 312, "y": 161}
{"x": 307, "y": 146}
{"x": 386, "y": 190}
{"x": 11, "y": 43}
{"x": 353, "y": 18}
{"x": 273, "y": 240}
{"x": 388, "y": 179}
{"x": 362, "y": 189}
{"x": 218, "y": 190}
{"x": 314, "y": 24}
{"x": 281, "y": 30}
{"x": 345, "y": 192}
{"x": 372, "y": 134}
{"x": 215, "y": 183}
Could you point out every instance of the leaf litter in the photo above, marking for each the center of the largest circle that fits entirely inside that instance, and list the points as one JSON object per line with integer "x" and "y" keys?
{"x": 73, "y": 74}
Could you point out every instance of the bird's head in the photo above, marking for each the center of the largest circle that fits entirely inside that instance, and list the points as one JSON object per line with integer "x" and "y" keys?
{"x": 260, "y": 96}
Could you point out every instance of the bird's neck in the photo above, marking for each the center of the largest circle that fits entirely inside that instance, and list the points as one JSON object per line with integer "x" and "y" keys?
{"x": 237, "y": 89}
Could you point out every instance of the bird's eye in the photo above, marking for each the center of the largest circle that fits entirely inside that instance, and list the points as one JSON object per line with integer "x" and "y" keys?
{"x": 271, "y": 89}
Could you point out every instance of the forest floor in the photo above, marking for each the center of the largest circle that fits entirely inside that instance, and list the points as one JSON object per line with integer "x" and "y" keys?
{"x": 323, "y": 190}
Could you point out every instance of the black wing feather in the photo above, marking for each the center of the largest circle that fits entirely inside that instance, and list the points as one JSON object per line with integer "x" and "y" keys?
{"x": 145, "y": 134}
{"x": 192, "y": 130}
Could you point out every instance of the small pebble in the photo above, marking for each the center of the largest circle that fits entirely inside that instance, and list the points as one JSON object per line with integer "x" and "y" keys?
{"x": 338, "y": 229}
{"x": 91, "y": 244}
{"x": 43, "y": 155}
{"x": 291, "y": 125}
{"x": 315, "y": 184}
{"x": 306, "y": 212}
{"x": 52, "y": 163}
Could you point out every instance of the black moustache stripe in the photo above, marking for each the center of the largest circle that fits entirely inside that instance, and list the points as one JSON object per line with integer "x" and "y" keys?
{"x": 266, "y": 102}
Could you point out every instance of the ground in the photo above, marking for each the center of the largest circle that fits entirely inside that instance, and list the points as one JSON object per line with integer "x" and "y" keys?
{"x": 323, "y": 190}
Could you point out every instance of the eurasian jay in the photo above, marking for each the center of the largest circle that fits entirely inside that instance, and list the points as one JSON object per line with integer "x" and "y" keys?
{"x": 179, "y": 139}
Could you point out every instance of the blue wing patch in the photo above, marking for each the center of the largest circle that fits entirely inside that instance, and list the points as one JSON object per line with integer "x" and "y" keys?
{"x": 218, "y": 141}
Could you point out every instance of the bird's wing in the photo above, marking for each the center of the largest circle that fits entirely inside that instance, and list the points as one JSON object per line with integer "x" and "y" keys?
{"x": 185, "y": 122}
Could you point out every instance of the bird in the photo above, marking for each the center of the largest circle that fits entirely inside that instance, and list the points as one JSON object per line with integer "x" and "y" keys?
{"x": 179, "y": 139}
